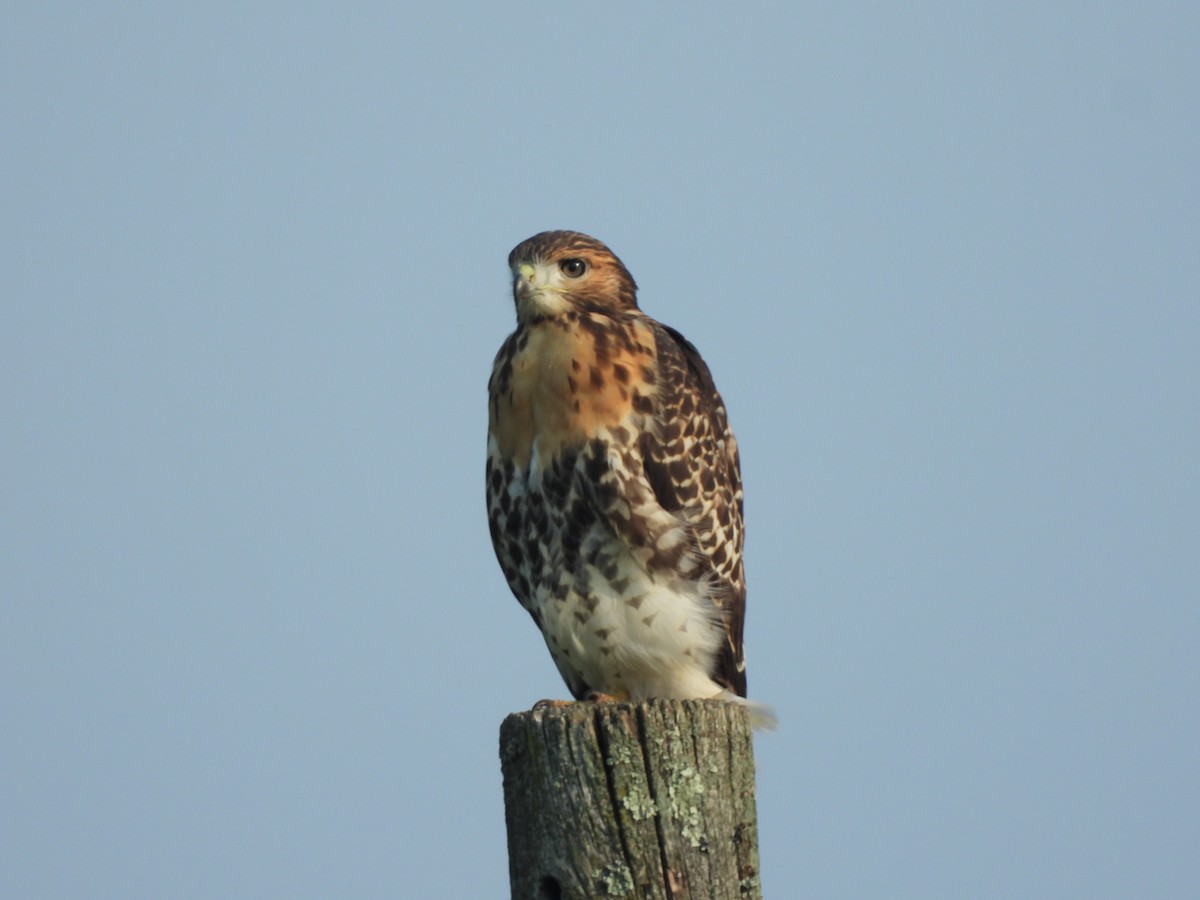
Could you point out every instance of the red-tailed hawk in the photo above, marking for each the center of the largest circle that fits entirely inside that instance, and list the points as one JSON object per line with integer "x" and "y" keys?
{"x": 613, "y": 484}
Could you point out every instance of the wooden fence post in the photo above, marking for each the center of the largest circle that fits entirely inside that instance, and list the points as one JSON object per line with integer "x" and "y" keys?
{"x": 649, "y": 800}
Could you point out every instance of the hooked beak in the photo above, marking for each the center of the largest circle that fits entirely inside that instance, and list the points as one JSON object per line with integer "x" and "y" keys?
{"x": 523, "y": 281}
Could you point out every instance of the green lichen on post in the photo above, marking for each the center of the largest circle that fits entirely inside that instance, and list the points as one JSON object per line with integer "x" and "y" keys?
{"x": 630, "y": 790}
{"x": 620, "y": 755}
{"x": 685, "y": 793}
{"x": 639, "y": 803}
{"x": 616, "y": 880}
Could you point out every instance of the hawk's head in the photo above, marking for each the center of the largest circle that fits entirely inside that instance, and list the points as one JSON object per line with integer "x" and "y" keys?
{"x": 559, "y": 271}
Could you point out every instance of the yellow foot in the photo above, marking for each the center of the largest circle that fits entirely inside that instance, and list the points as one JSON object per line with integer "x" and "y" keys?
{"x": 589, "y": 697}
{"x": 550, "y": 704}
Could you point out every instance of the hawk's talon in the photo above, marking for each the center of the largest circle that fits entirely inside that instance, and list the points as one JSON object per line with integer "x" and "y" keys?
{"x": 589, "y": 697}
{"x": 543, "y": 705}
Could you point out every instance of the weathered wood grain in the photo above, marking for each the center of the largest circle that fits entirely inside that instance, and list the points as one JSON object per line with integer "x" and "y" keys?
{"x": 650, "y": 801}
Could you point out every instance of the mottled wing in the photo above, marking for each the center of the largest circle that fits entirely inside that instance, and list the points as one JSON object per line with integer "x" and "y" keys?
{"x": 690, "y": 459}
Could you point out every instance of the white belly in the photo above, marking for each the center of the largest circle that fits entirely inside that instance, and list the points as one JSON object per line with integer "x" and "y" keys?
{"x": 631, "y": 635}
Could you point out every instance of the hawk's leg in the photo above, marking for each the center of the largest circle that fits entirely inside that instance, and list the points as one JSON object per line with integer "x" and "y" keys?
{"x": 543, "y": 705}
{"x": 589, "y": 697}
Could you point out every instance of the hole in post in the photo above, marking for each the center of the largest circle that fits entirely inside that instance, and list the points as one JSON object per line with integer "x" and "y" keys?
{"x": 550, "y": 889}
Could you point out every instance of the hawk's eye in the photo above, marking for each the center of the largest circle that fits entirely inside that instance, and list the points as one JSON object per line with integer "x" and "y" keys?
{"x": 573, "y": 268}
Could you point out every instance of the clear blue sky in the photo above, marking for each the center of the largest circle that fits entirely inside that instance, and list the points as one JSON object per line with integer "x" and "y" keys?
{"x": 944, "y": 262}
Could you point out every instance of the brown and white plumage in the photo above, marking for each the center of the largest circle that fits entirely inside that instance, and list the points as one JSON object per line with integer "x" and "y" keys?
{"x": 613, "y": 483}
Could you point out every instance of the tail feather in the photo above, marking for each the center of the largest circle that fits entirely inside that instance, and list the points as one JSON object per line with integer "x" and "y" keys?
{"x": 762, "y": 716}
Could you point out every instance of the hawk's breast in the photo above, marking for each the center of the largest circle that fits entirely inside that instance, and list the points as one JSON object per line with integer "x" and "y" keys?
{"x": 560, "y": 383}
